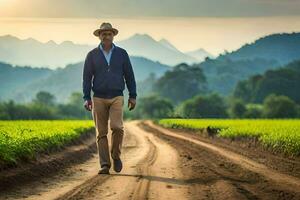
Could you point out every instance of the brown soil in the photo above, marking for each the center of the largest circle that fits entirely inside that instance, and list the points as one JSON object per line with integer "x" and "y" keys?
{"x": 249, "y": 147}
{"x": 158, "y": 163}
{"x": 221, "y": 173}
{"x": 48, "y": 163}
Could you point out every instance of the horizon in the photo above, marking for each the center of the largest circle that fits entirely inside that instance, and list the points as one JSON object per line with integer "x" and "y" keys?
{"x": 215, "y": 37}
{"x": 134, "y": 34}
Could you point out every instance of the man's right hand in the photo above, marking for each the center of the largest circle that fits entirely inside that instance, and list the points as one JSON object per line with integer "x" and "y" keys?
{"x": 88, "y": 105}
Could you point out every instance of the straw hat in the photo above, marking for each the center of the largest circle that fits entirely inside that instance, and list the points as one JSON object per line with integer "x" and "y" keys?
{"x": 105, "y": 27}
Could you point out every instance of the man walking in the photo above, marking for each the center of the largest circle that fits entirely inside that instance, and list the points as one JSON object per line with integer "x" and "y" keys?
{"x": 105, "y": 69}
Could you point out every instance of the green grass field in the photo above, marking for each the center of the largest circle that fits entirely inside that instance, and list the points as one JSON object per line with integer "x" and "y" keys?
{"x": 23, "y": 139}
{"x": 280, "y": 135}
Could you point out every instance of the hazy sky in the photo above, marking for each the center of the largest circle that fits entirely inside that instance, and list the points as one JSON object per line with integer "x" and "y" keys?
{"x": 214, "y": 25}
{"x": 125, "y": 8}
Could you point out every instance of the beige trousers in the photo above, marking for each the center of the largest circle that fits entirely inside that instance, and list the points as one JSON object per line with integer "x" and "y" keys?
{"x": 112, "y": 110}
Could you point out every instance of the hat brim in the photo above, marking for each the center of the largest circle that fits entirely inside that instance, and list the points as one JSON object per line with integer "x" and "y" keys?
{"x": 98, "y": 31}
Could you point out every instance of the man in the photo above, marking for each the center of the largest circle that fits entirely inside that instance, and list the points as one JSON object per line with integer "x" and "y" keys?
{"x": 105, "y": 69}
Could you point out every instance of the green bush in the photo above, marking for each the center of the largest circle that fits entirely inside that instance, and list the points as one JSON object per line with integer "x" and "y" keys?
{"x": 279, "y": 107}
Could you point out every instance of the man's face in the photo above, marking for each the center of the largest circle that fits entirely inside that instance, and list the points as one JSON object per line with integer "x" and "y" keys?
{"x": 106, "y": 37}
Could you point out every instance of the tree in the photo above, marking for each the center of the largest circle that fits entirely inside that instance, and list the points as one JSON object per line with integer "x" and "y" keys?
{"x": 181, "y": 83}
{"x": 76, "y": 99}
{"x": 237, "y": 109}
{"x": 210, "y": 106}
{"x": 279, "y": 107}
{"x": 283, "y": 81}
{"x": 154, "y": 106}
{"x": 44, "y": 98}
{"x": 244, "y": 89}
{"x": 298, "y": 111}
{"x": 40, "y": 111}
{"x": 74, "y": 108}
{"x": 145, "y": 87}
{"x": 3, "y": 113}
{"x": 253, "y": 111}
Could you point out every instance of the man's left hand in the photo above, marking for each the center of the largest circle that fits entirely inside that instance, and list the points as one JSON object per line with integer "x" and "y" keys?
{"x": 131, "y": 103}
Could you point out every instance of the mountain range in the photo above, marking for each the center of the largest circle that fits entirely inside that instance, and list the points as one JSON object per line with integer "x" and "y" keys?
{"x": 52, "y": 55}
{"x": 282, "y": 47}
{"x": 21, "y": 83}
{"x": 162, "y": 50}
{"x": 265, "y": 53}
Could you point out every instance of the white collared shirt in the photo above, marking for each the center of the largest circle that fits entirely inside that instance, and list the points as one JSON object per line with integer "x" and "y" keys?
{"x": 107, "y": 55}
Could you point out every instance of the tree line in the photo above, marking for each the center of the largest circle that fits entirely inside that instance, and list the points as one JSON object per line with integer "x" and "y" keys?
{"x": 183, "y": 92}
{"x": 44, "y": 106}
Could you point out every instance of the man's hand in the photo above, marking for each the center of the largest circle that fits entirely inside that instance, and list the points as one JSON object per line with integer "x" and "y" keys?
{"x": 131, "y": 103}
{"x": 88, "y": 105}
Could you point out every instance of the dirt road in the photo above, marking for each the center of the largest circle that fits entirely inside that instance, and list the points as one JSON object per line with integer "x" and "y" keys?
{"x": 163, "y": 164}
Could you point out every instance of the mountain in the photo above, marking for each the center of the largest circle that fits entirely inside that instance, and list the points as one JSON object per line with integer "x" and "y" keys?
{"x": 167, "y": 44}
{"x": 199, "y": 54}
{"x": 162, "y": 51}
{"x": 14, "y": 79}
{"x": 282, "y": 81}
{"x": 222, "y": 75}
{"x": 22, "y": 83}
{"x": 266, "y": 53}
{"x": 283, "y": 47}
{"x": 37, "y": 54}
{"x": 52, "y": 55}
{"x": 143, "y": 67}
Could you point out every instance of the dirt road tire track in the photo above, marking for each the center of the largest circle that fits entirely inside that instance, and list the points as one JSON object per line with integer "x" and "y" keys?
{"x": 144, "y": 169}
{"x": 84, "y": 188}
{"x": 215, "y": 174}
{"x": 161, "y": 164}
{"x": 137, "y": 186}
{"x": 238, "y": 159}
{"x": 150, "y": 172}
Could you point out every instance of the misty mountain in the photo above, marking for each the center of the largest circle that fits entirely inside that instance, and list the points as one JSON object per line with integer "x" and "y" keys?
{"x": 282, "y": 47}
{"x": 266, "y": 53}
{"x": 162, "y": 51}
{"x": 199, "y": 54}
{"x": 22, "y": 83}
{"x": 37, "y": 54}
{"x": 52, "y": 55}
{"x": 223, "y": 74}
{"x": 167, "y": 44}
{"x": 283, "y": 81}
{"x": 13, "y": 79}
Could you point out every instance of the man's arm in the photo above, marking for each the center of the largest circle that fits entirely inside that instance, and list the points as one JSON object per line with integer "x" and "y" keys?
{"x": 87, "y": 77}
{"x": 129, "y": 77}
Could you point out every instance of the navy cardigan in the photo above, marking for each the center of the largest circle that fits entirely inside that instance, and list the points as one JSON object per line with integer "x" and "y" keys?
{"x": 107, "y": 81}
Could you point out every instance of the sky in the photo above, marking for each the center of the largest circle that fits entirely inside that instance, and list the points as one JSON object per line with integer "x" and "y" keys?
{"x": 138, "y": 8}
{"x": 214, "y": 25}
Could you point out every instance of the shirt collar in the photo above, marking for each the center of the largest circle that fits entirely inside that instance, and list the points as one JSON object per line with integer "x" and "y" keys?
{"x": 101, "y": 47}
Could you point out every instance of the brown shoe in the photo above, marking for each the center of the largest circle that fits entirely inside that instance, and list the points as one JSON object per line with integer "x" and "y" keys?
{"x": 104, "y": 170}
